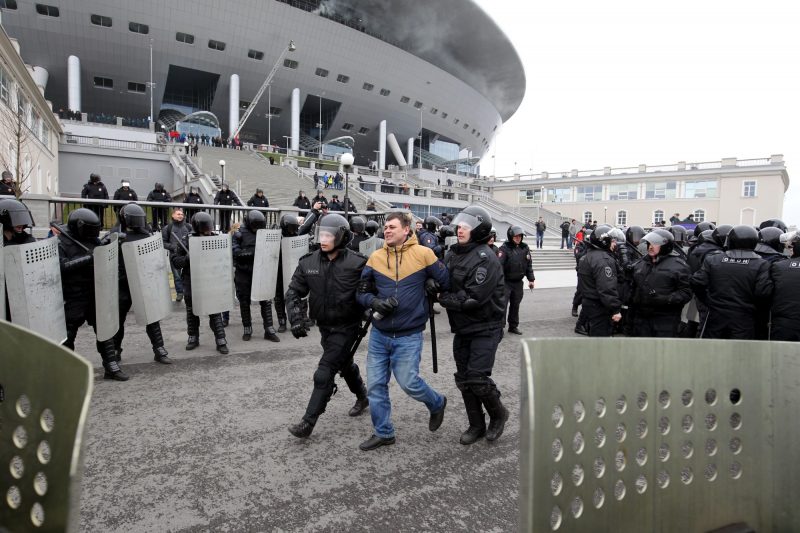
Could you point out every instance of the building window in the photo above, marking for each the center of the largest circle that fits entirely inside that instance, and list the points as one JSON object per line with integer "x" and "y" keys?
{"x": 290, "y": 63}
{"x": 587, "y": 217}
{"x": 103, "y": 83}
{"x": 466, "y": 126}
{"x": 275, "y": 111}
{"x": 5, "y": 87}
{"x": 444, "y": 115}
{"x": 186, "y": 38}
{"x": 100, "y": 20}
{"x": 624, "y": 191}
{"x": 456, "y": 120}
{"x": 664, "y": 190}
{"x": 8, "y": 4}
{"x": 473, "y": 131}
{"x": 658, "y": 216}
{"x": 136, "y": 27}
{"x": 530, "y": 196}
{"x": 347, "y": 126}
{"x": 135, "y": 87}
{"x": 559, "y": 195}
{"x": 45, "y": 135}
{"x": 47, "y": 11}
{"x": 363, "y": 131}
{"x": 255, "y": 54}
{"x": 701, "y": 189}
{"x": 243, "y": 104}
{"x": 367, "y": 86}
{"x": 23, "y": 109}
{"x": 749, "y": 189}
{"x": 341, "y": 78}
{"x": 385, "y": 92}
{"x": 418, "y": 104}
{"x": 699, "y": 215}
{"x": 434, "y": 111}
{"x": 590, "y": 193}
{"x": 216, "y": 45}
{"x": 321, "y": 72}
{"x": 622, "y": 218}
{"x": 404, "y": 99}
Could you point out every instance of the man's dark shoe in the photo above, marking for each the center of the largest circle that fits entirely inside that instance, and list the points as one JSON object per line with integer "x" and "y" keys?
{"x": 575, "y": 312}
{"x": 179, "y": 297}
{"x": 375, "y": 442}
{"x": 358, "y": 407}
{"x": 113, "y": 371}
{"x": 193, "y": 342}
{"x": 437, "y": 417}
{"x": 515, "y": 330}
{"x": 269, "y": 334}
{"x": 472, "y": 435}
{"x": 580, "y": 329}
{"x": 248, "y": 332}
{"x": 281, "y": 326}
{"x": 301, "y": 430}
{"x": 223, "y": 347}
{"x": 497, "y": 424}
{"x": 161, "y": 356}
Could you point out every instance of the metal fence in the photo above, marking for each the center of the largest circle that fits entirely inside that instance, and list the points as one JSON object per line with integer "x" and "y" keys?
{"x": 116, "y": 144}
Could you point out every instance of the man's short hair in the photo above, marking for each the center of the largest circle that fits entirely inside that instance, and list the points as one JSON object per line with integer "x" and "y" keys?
{"x": 404, "y": 218}
{"x": 6, "y": 174}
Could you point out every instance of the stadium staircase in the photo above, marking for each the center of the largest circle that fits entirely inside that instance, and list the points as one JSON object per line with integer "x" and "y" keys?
{"x": 552, "y": 259}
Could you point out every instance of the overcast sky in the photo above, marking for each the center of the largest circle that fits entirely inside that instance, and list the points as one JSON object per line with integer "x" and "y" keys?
{"x": 622, "y": 82}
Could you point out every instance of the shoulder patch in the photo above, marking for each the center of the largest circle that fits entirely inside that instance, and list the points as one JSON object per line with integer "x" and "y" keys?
{"x": 608, "y": 271}
{"x": 480, "y": 275}
{"x": 482, "y": 254}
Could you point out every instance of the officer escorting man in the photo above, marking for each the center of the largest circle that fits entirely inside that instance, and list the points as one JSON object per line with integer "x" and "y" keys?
{"x": 75, "y": 245}
{"x": 125, "y": 193}
{"x": 330, "y": 277}
{"x": 15, "y": 218}
{"x": 192, "y": 198}
{"x": 289, "y": 225}
{"x": 581, "y": 247}
{"x": 660, "y": 287}
{"x": 202, "y": 226}
{"x": 171, "y": 234}
{"x": 133, "y": 227}
{"x": 785, "y": 275}
{"x": 475, "y": 304}
{"x": 597, "y": 270}
{"x": 244, "y": 250}
{"x": 427, "y": 235}
{"x": 258, "y": 199}
{"x": 732, "y": 284}
{"x": 95, "y": 189}
{"x": 158, "y": 194}
{"x": 357, "y": 226}
{"x": 7, "y": 185}
{"x": 225, "y": 197}
{"x": 515, "y": 258}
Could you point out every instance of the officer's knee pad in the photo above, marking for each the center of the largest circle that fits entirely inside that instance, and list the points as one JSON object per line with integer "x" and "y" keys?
{"x": 323, "y": 377}
{"x": 482, "y": 389}
{"x": 461, "y": 383}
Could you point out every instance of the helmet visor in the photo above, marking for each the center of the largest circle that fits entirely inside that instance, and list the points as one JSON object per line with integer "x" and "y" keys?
{"x": 465, "y": 221}
{"x": 655, "y": 238}
{"x": 790, "y": 237}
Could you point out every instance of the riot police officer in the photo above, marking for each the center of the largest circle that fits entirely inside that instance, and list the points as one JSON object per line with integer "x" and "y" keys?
{"x": 492, "y": 240}
{"x": 515, "y": 258}
{"x": 171, "y": 235}
{"x": 580, "y": 249}
{"x": 445, "y": 231}
{"x": 770, "y": 248}
{"x": 202, "y": 226}
{"x": 475, "y": 304}
{"x": 680, "y": 236}
{"x": 225, "y": 197}
{"x": 660, "y": 287}
{"x": 258, "y": 199}
{"x": 732, "y": 284}
{"x": 192, "y": 198}
{"x": 159, "y": 194}
{"x": 712, "y": 245}
{"x": 597, "y": 273}
{"x": 244, "y": 249}
{"x": 16, "y": 219}
{"x": 125, "y": 193}
{"x": 357, "y": 226}
{"x": 75, "y": 245}
{"x": 785, "y": 275}
{"x": 133, "y": 227}
{"x": 773, "y": 223}
{"x": 371, "y": 228}
{"x": 95, "y": 189}
{"x": 330, "y": 277}
{"x": 427, "y": 235}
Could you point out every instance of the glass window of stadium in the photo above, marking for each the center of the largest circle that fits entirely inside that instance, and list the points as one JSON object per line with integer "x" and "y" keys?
{"x": 136, "y": 87}
{"x": 561, "y": 194}
{"x": 321, "y": 72}
{"x": 100, "y": 20}
{"x": 290, "y": 63}
{"x": 404, "y": 99}
{"x": 255, "y": 54}
{"x": 186, "y": 38}
{"x": 347, "y": 126}
{"x": 658, "y": 216}
{"x": 623, "y": 191}
{"x": 385, "y": 92}
{"x": 589, "y": 193}
{"x": 103, "y": 83}
{"x": 444, "y": 115}
{"x": 701, "y": 189}
{"x": 47, "y": 11}
{"x": 367, "y": 86}
{"x": 216, "y": 45}
{"x": 341, "y": 78}
{"x": 8, "y": 4}
{"x": 664, "y": 190}
{"x": 137, "y": 27}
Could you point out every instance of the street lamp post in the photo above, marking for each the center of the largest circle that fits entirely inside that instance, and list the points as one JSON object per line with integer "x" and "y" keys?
{"x": 222, "y": 165}
{"x": 185, "y": 163}
{"x": 347, "y": 163}
{"x": 605, "y": 214}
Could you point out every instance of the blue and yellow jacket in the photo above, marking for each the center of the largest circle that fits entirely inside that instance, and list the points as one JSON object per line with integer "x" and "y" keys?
{"x": 401, "y": 272}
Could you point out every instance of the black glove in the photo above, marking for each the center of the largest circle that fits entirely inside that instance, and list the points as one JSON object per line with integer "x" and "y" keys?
{"x": 470, "y": 304}
{"x": 384, "y": 307}
{"x": 432, "y": 287}
{"x": 299, "y": 331}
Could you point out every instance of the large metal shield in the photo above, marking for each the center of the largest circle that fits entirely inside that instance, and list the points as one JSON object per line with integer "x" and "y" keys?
{"x": 148, "y": 279}
{"x": 368, "y": 246}
{"x": 106, "y": 288}
{"x": 265, "y": 265}
{"x": 212, "y": 274}
{"x": 292, "y": 249}
{"x": 33, "y": 280}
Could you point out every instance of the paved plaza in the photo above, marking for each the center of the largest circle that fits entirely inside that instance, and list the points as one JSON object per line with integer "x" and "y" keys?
{"x": 202, "y": 445}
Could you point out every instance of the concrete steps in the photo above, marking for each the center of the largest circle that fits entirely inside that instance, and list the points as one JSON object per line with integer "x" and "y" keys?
{"x": 552, "y": 259}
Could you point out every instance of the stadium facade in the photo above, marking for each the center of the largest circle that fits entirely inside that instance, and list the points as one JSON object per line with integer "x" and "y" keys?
{"x": 391, "y": 74}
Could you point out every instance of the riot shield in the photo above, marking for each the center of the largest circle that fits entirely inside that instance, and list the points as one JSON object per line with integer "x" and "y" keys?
{"x": 292, "y": 249}
{"x": 2, "y": 281}
{"x": 212, "y": 274}
{"x": 148, "y": 279}
{"x": 367, "y": 246}
{"x": 106, "y": 288}
{"x": 265, "y": 265}
{"x": 33, "y": 280}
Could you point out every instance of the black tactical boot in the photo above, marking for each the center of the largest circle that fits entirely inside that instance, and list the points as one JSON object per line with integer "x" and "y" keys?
{"x": 157, "y": 341}
{"x": 281, "y": 325}
{"x": 266, "y": 316}
{"x": 498, "y": 415}
{"x": 192, "y": 327}
{"x": 193, "y": 342}
{"x": 161, "y": 356}
{"x": 247, "y": 321}
{"x": 248, "y": 332}
{"x": 477, "y": 422}
{"x": 216, "y": 323}
{"x": 112, "y": 369}
{"x": 302, "y": 429}
{"x": 352, "y": 377}
{"x": 269, "y": 334}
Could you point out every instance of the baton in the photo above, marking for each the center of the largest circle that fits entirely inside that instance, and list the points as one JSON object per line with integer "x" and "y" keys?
{"x": 705, "y": 322}
{"x": 433, "y": 336}
{"x": 362, "y": 332}
{"x": 61, "y": 231}
{"x": 769, "y": 327}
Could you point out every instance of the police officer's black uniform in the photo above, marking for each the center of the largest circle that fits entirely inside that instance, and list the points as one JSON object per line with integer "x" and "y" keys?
{"x": 517, "y": 265}
{"x": 785, "y": 275}
{"x": 358, "y": 227}
{"x": 258, "y": 199}
{"x": 192, "y": 198}
{"x": 732, "y": 284}
{"x": 475, "y": 306}
{"x": 95, "y": 190}
{"x": 225, "y": 197}
{"x": 331, "y": 286}
{"x": 597, "y": 273}
{"x": 244, "y": 249}
{"x": 769, "y": 248}
{"x": 158, "y": 194}
{"x": 133, "y": 227}
{"x": 126, "y": 194}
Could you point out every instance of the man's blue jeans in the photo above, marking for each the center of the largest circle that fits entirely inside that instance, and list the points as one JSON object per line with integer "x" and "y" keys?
{"x": 539, "y": 239}
{"x": 399, "y": 356}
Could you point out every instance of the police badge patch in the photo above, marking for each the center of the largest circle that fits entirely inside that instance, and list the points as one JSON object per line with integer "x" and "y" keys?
{"x": 480, "y": 275}
{"x": 608, "y": 272}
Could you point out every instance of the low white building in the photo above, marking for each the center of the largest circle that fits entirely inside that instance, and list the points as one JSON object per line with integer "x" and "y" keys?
{"x": 732, "y": 191}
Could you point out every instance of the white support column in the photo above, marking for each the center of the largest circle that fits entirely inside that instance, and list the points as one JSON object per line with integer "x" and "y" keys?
{"x": 40, "y": 77}
{"x": 74, "y": 83}
{"x": 395, "y": 148}
{"x": 382, "y": 146}
{"x": 295, "y": 119}
{"x": 410, "y": 152}
{"x": 233, "y": 104}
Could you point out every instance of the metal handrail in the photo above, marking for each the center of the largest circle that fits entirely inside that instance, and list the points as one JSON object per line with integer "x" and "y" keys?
{"x": 116, "y": 144}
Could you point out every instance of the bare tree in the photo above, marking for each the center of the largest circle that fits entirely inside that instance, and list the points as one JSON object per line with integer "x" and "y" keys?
{"x": 18, "y": 147}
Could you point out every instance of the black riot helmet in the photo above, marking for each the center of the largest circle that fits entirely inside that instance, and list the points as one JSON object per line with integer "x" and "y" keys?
{"x": 742, "y": 238}
{"x": 14, "y": 213}
{"x": 289, "y": 225}
{"x": 663, "y": 238}
{"x": 84, "y": 224}
{"x": 94, "y": 178}
{"x": 334, "y": 226}
{"x": 432, "y": 223}
{"x": 601, "y": 237}
{"x": 513, "y": 231}
{"x": 703, "y": 226}
{"x": 132, "y": 218}
{"x": 478, "y": 221}
{"x": 705, "y": 236}
{"x": 371, "y": 227}
{"x": 720, "y": 234}
{"x": 771, "y": 236}
{"x": 773, "y": 223}
{"x": 254, "y": 220}
{"x": 446, "y": 231}
{"x": 633, "y": 235}
{"x": 202, "y": 223}
{"x": 357, "y": 224}
{"x": 679, "y": 232}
